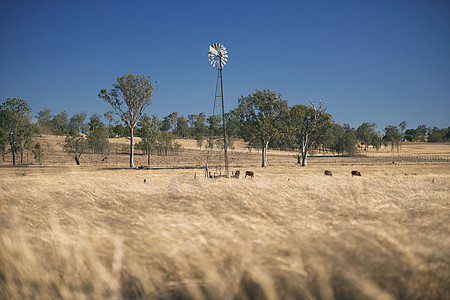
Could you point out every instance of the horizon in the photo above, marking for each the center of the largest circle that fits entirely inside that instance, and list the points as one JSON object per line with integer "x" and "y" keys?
{"x": 371, "y": 62}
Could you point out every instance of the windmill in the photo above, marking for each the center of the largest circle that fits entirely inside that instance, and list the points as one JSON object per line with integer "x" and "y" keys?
{"x": 218, "y": 58}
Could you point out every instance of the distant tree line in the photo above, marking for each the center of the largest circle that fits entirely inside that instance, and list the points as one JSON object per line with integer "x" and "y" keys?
{"x": 263, "y": 119}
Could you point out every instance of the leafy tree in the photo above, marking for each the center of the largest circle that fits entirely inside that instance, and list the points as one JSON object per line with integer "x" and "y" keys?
{"x": 392, "y": 135}
{"x": 232, "y": 124}
{"x": 44, "y": 118}
{"x": 439, "y": 135}
{"x": 14, "y": 118}
{"x": 422, "y": 130}
{"x": 376, "y": 141}
{"x": 182, "y": 129}
{"x": 200, "y": 139}
{"x": 149, "y": 131}
{"x": 200, "y": 125}
{"x": 3, "y": 142}
{"x": 169, "y": 122}
{"x": 214, "y": 127}
{"x": 308, "y": 123}
{"x": 411, "y": 135}
{"x": 76, "y": 145}
{"x": 109, "y": 115}
{"x": 365, "y": 133}
{"x": 95, "y": 121}
{"x": 61, "y": 123}
{"x": 38, "y": 153}
{"x": 261, "y": 118}
{"x": 129, "y": 97}
{"x": 121, "y": 131}
{"x": 402, "y": 126}
{"x": 76, "y": 123}
{"x": 24, "y": 141}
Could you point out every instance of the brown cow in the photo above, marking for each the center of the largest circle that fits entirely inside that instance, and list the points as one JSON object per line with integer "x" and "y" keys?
{"x": 249, "y": 173}
{"x": 328, "y": 173}
{"x": 356, "y": 173}
{"x": 237, "y": 174}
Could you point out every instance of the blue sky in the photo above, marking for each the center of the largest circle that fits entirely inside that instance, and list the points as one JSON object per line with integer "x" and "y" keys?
{"x": 371, "y": 61}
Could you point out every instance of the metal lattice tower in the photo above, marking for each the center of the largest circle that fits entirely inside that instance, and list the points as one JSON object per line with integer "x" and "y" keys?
{"x": 217, "y": 162}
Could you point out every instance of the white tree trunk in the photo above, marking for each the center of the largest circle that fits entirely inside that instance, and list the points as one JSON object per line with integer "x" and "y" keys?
{"x": 264, "y": 153}
{"x": 131, "y": 149}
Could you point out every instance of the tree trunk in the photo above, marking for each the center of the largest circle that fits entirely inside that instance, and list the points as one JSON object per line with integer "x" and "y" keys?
{"x": 304, "y": 156}
{"x": 148, "y": 158}
{"x": 13, "y": 152}
{"x": 304, "y": 150}
{"x": 77, "y": 159}
{"x": 264, "y": 153}
{"x": 299, "y": 160}
{"x": 131, "y": 148}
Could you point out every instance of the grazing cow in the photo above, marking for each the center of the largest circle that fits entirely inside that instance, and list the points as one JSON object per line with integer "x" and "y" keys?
{"x": 249, "y": 173}
{"x": 356, "y": 173}
{"x": 328, "y": 173}
{"x": 237, "y": 174}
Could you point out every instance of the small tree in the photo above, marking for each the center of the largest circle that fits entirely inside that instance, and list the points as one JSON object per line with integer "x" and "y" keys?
{"x": 402, "y": 126}
{"x": 14, "y": 118}
{"x": 200, "y": 139}
{"x": 76, "y": 123}
{"x": 44, "y": 118}
{"x": 129, "y": 98}
{"x": 76, "y": 145}
{"x": 182, "y": 128}
{"x": 61, "y": 123}
{"x": 38, "y": 153}
{"x": 261, "y": 118}
{"x": 149, "y": 132}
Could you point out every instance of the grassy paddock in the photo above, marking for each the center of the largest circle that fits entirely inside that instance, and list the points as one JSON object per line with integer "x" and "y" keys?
{"x": 288, "y": 233}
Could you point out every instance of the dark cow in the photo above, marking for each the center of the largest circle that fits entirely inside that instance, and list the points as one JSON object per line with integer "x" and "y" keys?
{"x": 249, "y": 173}
{"x": 356, "y": 173}
{"x": 237, "y": 174}
{"x": 328, "y": 173}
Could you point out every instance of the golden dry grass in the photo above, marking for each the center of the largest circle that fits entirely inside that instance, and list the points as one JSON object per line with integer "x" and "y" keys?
{"x": 288, "y": 233}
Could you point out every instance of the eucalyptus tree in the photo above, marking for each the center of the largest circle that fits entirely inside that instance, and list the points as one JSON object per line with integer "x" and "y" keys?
{"x": 308, "y": 125}
{"x": 365, "y": 133}
{"x": 44, "y": 119}
{"x": 76, "y": 145}
{"x": 77, "y": 123}
{"x": 182, "y": 128}
{"x": 129, "y": 98}
{"x": 402, "y": 126}
{"x": 14, "y": 120}
{"x": 61, "y": 123}
{"x": 261, "y": 118}
{"x": 97, "y": 134}
{"x": 149, "y": 131}
{"x": 392, "y": 135}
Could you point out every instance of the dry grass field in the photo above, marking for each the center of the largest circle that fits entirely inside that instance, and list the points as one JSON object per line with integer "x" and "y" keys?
{"x": 98, "y": 231}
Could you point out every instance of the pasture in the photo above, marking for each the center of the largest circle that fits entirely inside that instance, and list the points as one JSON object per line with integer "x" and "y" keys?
{"x": 99, "y": 231}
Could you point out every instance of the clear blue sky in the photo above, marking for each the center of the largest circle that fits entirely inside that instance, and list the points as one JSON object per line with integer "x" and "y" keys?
{"x": 371, "y": 61}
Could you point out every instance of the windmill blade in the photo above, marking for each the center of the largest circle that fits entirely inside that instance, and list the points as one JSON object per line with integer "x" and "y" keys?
{"x": 212, "y": 50}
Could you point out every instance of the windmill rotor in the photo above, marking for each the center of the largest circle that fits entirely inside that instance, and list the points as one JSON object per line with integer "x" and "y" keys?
{"x": 218, "y": 55}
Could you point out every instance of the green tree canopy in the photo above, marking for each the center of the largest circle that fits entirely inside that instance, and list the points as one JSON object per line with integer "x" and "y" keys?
{"x": 261, "y": 117}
